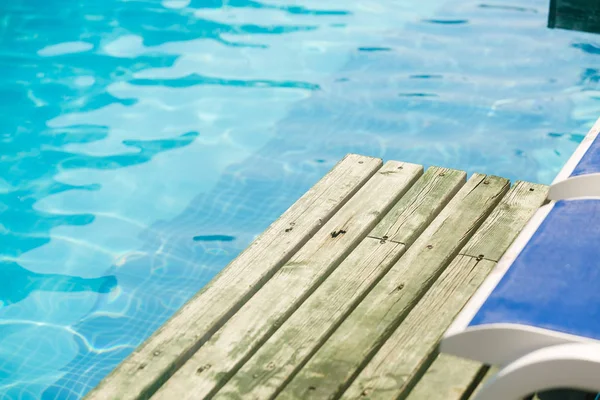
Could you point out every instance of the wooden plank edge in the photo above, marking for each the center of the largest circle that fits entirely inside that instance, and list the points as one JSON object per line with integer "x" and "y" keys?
{"x": 501, "y": 227}
{"x": 142, "y": 373}
{"x": 318, "y": 373}
{"x": 472, "y": 373}
{"x": 264, "y": 373}
{"x": 254, "y": 323}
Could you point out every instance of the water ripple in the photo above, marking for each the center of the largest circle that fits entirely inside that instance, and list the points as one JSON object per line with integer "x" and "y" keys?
{"x": 147, "y": 143}
{"x": 192, "y": 80}
{"x": 447, "y": 21}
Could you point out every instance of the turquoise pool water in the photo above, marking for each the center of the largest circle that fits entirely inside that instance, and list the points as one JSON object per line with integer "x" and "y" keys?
{"x": 144, "y": 144}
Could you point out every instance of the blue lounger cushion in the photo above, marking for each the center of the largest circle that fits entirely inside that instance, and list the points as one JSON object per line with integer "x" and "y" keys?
{"x": 590, "y": 161}
{"x": 547, "y": 292}
{"x": 555, "y": 282}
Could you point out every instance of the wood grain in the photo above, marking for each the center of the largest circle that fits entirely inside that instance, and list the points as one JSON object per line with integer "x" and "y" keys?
{"x": 218, "y": 359}
{"x": 507, "y": 221}
{"x": 305, "y": 331}
{"x": 454, "y": 378}
{"x": 410, "y": 350}
{"x": 167, "y": 349}
{"x": 405, "y": 356}
{"x": 448, "y": 378}
{"x": 341, "y": 358}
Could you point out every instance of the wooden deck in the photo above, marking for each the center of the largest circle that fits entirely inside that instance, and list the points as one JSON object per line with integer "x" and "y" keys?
{"x": 346, "y": 295}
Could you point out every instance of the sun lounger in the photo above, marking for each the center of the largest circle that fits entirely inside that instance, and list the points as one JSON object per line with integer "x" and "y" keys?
{"x": 580, "y": 177}
{"x": 538, "y": 313}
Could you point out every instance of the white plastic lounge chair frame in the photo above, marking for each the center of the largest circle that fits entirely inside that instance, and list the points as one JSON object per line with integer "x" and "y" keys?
{"x": 533, "y": 359}
{"x": 573, "y": 182}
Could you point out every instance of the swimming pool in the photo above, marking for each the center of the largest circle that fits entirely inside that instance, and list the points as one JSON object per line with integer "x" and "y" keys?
{"x": 144, "y": 144}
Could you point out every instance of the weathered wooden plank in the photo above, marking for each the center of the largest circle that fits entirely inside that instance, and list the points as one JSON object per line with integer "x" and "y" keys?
{"x": 448, "y": 378}
{"x": 410, "y": 350}
{"x": 219, "y": 358}
{"x": 453, "y": 378}
{"x": 167, "y": 349}
{"x": 503, "y": 226}
{"x": 302, "y": 334}
{"x": 404, "y": 223}
{"x": 337, "y": 362}
{"x": 414, "y": 350}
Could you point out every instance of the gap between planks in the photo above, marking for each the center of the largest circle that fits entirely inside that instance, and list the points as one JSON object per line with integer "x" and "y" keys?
{"x": 279, "y": 359}
{"x": 403, "y": 359}
{"x": 219, "y": 358}
{"x": 323, "y": 202}
{"x": 334, "y": 366}
{"x": 153, "y": 362}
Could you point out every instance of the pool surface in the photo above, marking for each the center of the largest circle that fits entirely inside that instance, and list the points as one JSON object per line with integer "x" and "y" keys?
{"x": 144, "y": 144}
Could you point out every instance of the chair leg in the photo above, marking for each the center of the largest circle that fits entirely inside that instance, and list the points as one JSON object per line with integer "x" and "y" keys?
{"x": 574, "y": 366}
